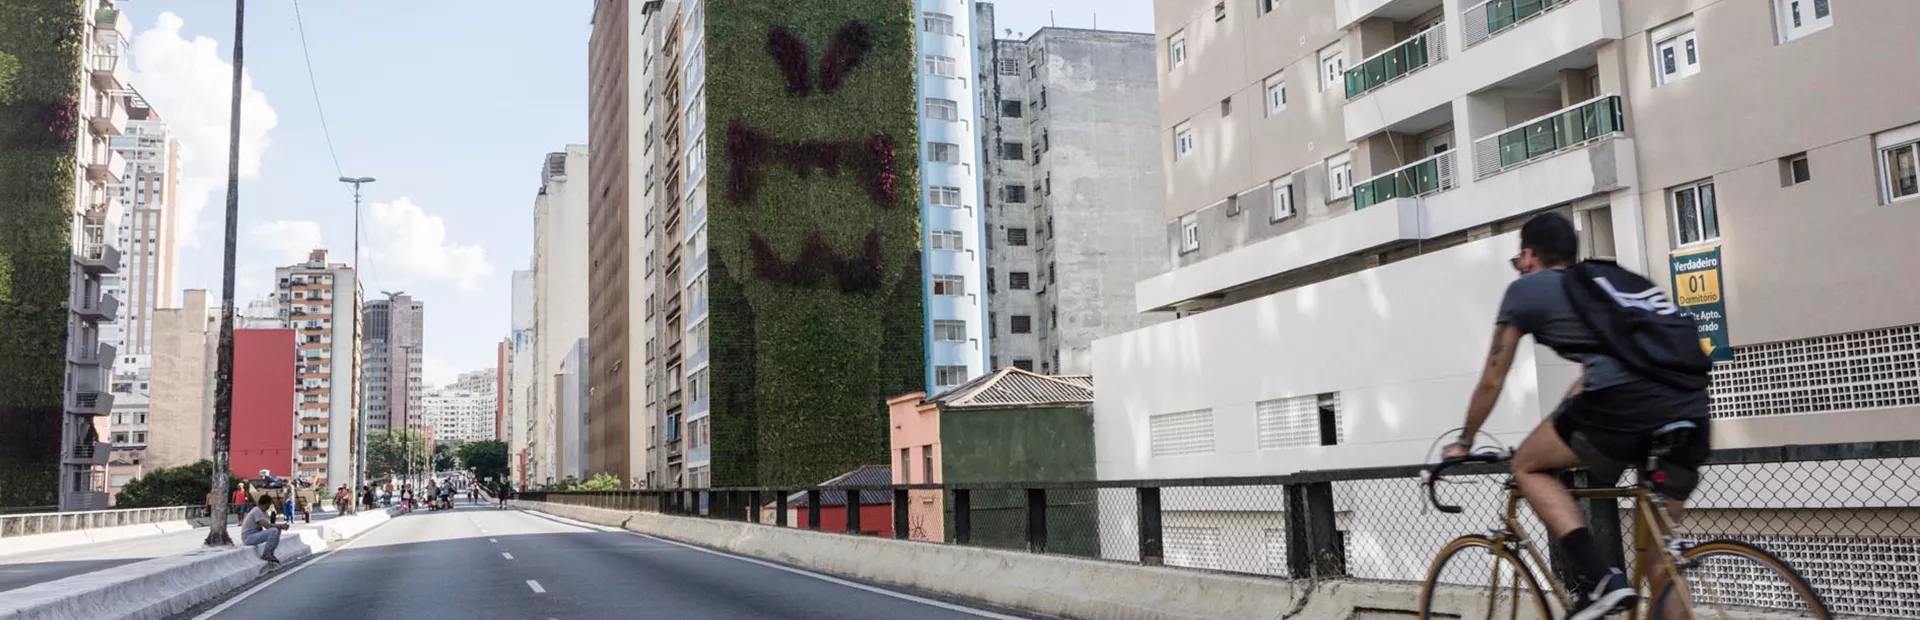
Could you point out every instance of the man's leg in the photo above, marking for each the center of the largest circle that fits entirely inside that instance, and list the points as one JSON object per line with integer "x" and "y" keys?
{"x": 268, "y": 539}
{"x": 1536, "y": 467}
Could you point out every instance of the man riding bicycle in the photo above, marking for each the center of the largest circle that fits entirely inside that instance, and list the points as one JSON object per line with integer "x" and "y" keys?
{"x": 1608, "y": 415}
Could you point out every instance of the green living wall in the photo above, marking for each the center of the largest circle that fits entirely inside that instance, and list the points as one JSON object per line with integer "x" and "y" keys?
{"x": 813, "y": 224}
{"x": 40, "y": 51}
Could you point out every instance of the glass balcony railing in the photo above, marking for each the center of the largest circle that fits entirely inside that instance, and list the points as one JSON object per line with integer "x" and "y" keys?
{"x": 1494, "y": 16}
{"x": 1427, "y": 176}
{"x": 1590, "y": 121}
{"x": 1426, "y": 48}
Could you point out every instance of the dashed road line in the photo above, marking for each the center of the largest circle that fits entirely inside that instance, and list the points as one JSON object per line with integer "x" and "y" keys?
{"x": 536, "y": 587}
{"x": 507, "y": 555}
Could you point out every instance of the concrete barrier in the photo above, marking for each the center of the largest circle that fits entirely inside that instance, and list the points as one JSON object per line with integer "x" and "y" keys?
{"x": 164, "y": 587}
{"x": 73, "y": 538}
{"x": 1045, "y": 584}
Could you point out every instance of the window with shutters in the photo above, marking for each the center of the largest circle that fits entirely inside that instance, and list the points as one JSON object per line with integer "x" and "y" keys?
{"x": 1016, "y": 194}
{"x": 1021, "y": 324}
{"x": 1019, "y": 280}
{"x": 1011, "y": 109}
{"x": 1016, "y": 236}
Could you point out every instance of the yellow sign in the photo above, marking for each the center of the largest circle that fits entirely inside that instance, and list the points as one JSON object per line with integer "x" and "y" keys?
{"x": 1699, "y": 287}
{"x": 1706, "y": 345}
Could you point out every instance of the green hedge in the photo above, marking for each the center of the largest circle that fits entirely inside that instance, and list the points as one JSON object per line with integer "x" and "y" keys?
{"x": 800, "y": 373}
{"x": 40, "y": 62}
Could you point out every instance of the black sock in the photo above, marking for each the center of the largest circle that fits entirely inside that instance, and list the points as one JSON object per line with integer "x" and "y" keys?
{"x": 1584, "y": 554}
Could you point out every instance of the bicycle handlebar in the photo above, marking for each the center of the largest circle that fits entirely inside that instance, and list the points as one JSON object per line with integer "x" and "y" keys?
{"x": 1432, "y": 475}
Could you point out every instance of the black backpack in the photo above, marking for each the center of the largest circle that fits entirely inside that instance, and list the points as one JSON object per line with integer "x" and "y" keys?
{"x": 1637, "y": 324}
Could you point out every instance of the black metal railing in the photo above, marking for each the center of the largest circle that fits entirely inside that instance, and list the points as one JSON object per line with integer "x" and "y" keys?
{"x": 1847, "y": 515}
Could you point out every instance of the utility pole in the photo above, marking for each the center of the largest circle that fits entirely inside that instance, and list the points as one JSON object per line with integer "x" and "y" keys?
{"x": 223, "y": 381}
{"x": 360, "y": 403}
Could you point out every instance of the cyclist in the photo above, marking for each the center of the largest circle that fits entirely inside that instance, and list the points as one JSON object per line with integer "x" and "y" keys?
{"x": 1607, "y": 417}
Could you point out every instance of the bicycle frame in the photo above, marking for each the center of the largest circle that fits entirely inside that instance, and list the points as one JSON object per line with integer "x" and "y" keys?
{"x": 1652, "y": 525}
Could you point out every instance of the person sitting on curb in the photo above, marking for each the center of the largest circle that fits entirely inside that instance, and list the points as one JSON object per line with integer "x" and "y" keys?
{"x": 259, "y": 529}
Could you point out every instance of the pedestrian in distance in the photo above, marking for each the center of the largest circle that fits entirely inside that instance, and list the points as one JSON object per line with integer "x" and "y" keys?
{"x": 259, "y": 529}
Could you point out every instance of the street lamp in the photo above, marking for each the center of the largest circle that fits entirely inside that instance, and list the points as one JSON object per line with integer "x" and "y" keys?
{"x": 360, "y": 417}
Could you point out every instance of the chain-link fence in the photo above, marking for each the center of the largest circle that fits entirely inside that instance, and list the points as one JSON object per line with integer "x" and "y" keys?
{"x": 1847, "y": 516}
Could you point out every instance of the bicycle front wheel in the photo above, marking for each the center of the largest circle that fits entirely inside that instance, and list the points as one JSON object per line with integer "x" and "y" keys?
{"x": 1729, "y": 579}
{"x": 1473, "y": 577}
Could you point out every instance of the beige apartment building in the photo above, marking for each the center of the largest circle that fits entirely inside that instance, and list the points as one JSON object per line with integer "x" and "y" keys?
{"x": 1346, "y": 178}
{"x": 180, "y": 408}
{"x": 321, "y": 302}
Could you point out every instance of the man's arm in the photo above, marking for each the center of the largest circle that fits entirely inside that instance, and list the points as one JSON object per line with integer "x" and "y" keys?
{"x": 1493, "y": 378}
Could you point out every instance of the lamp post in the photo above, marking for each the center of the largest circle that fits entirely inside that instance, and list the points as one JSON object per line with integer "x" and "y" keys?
{"x": 360, "y": 407}
{"x": 223, "y": 380}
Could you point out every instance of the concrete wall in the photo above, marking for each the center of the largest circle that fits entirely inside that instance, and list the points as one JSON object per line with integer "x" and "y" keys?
{"x": 263, "y": 401}
{"x": 181, "y": 407}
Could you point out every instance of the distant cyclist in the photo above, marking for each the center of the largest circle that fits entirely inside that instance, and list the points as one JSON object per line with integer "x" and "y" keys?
{"x": 1641, "y": 370}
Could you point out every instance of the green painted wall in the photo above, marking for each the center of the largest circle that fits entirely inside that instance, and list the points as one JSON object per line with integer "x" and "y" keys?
{"x": 814, "y": 271}
{"x": 1023, "y": 445}
{"x": 40, "y": 43}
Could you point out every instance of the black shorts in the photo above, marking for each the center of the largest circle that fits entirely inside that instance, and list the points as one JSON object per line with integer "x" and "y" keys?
{"x": 1611, "y": 429}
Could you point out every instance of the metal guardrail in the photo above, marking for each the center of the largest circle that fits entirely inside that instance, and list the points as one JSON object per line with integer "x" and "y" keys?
{"x": 1847, "y": 515}
{"x": 1426, "y": 47}
{"x": 1580, "y": 124}
{"x": 1495, "y": 16}
{"x": 12, "y": 525}
{"x": 1427, "y": 176}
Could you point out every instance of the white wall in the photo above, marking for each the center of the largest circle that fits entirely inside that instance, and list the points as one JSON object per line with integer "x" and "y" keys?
{"x": 1402, "y": 345}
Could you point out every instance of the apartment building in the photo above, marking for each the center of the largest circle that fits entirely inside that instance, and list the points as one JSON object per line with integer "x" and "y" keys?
{"x": 560, "y": 265}
{"x": 952, "y": 38}
{"x": 455, "y": 414}
{"x": 1345, "y": 179}
{"x": 392, "y": 354}
{"x": 321, "y": 302}
{"x": 570, "y": 432}
{"x": 615, "y": 434}
{"x": 520, "y": 376}
{"x": 129, "y": 427}
{"x": 186, "y": 343}
{"x": 148, "y": 222}
{"x": 717, "y": 299}
{"x": 1073, "y": 177}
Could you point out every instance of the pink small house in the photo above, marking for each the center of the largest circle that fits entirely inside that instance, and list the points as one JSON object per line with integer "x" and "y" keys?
{"x": 915, "y": 426}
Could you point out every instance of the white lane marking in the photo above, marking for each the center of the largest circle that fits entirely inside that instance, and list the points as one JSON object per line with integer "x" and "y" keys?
{"x": 276, "y": 578}
{"x": 536, "y": 587}
{"x": 827, "y": 578}
{"x": 507, "y": 555}
{"x": 493, "y": 540}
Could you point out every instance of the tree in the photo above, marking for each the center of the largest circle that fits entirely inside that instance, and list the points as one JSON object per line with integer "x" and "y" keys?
{"x": 443, "y": 456}
{"x": 487, "y": 459}
{"x": 390, "y": 452}
{"x": 186, "y": 485}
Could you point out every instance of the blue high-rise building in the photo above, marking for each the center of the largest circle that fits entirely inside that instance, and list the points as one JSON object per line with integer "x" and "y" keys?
{"x": 954, "y": 242}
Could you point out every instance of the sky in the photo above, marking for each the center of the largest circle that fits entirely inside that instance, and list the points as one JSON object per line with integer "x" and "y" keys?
{"x": 452, "y": 106}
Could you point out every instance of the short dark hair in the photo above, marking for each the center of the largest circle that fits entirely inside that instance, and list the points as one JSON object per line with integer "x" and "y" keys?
{"x": 264, "y": 500}
{"x": 1551, "y": 237}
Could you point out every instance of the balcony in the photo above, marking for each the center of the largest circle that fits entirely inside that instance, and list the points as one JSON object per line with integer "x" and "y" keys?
{"x": 1345, "y": 235}
{"x": 95, "y": 453}
{"x": 1428, "y": 176}
{"x": 1482, "y": 21}
{"x": 1587, "y": 122}
{"x": 108, "y": 62}
{"x": 100, "y": 307}
{"x": 1428, "y": 47}
{"x": 90, "y": 403}
{"x": 105, "y": 167}
{"x": 107, "y": 117}
{"x": 98, "y": 354}
{"x": 98, "y": 257}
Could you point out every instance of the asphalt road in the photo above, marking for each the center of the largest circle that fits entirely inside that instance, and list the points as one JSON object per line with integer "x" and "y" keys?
{"x": 26, "y": 569}
{"x": 477, "y": 563}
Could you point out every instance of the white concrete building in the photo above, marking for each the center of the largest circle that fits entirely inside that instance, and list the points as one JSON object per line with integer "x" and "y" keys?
{"x": 571, "y": 431}
{"x": 559, "y": 298}
{"x": 457, "y": 415}
{"x": 148, "y": 222}
{"x": 520, "y": 377}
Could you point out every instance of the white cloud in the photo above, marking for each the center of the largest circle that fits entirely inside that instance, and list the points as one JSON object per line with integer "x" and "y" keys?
{"x": 436, "y": 372}
{"x": 405, "y": 244}
{"x": 191, "y": 87}
{"x": 286, "y": 241}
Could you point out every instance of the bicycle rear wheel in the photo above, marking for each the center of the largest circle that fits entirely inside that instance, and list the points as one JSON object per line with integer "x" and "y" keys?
{"x": 1733, "y": 579}
{"x": 1472, "y": 577}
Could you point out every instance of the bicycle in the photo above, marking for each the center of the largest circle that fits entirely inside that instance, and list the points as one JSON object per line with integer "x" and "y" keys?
{"x": 1710, "y": 583}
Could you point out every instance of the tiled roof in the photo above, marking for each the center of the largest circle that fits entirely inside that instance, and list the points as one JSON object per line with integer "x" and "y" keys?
{"x": 1013, "y": 387}
{"x": 867, "y": 475}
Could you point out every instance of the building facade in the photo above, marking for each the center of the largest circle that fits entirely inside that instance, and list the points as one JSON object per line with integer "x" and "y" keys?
{"x": 394, "y": 339}
{"x": 454, "y": 414}
{"x": 180, "y": 402}
{"x": 952, "y": 168}
{"x": 520, "y": 373}
{"x": 322, "y": 303}
{"x": 570, "y": 388}
{"x": 611, "y": 417}
{"x": 264, "y": 401}
{"x": 148, "y": 223}
{"x": 559, "y": 298}
{"x": 1345, "y": 179}
{"x": 1074, "y": 197}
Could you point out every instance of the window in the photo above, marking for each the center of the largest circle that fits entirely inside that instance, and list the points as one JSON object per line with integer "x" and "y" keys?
{"x": 1013, "y": 150}
{"x": 1183, "y": 140}
{"x": 1226, "y": 107}
{"x": 1022, "y": 324}
{"x": 939, "y": 23}
{"x": 943, "y": 109}
{"x": 1333, "y": 69}
{"x": 1017, "y": 236}
{"x": 1043, "y": 97}
{"x": 941, "y": 66}
{"x": 945, "y": 196}
{"x": 943, "y": 152}
{"x": 1276, "y": 95}
{"x": 1016, "y": 194}
{"x": 950, "y": 331}
{"x": 926, "y": 464}
{"x": 1189, "y": 235}
{"x": 1177, "y": 49}
{"x": 1282, "y": 198}
{"x": 1794, "y": 170}
{"x": 1263, "y": 7}
{"x": 1799, "y": 18}
{"x": 1233, "y": 205}
{"x": 1046, "y": 142}
{"x": 1023, "y": 364}
{"x": 1694, "y": 213}
{"x": 1676, "y": 51}
{"x": 1010, "y": 108}
{"x": 1009, "y": 66}
{"x": 948, "y": 376}
{"x": 906, "y": 466}
{"x": 949, "y": 285}
{"x": 947, "y": 240}
{"x": 1900, "y": 163}
{"x": 1339, "y": 177}
{"x": 1019, "y": 280}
